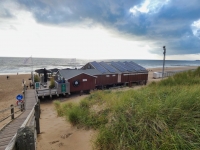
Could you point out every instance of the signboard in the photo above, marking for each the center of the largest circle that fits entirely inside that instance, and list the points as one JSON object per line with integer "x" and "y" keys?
{"x": 19, "y": 97}
{"x": 37, "y": 85}
{"x": 63, "y": 88}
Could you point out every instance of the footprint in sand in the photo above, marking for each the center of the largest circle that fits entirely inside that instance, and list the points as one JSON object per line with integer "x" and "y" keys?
{"x": 60, "y": 144}
{"x": 64, "y": 136}
{"x": 53, "y": 142}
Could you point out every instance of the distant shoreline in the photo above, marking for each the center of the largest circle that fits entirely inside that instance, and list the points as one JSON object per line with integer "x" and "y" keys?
{"x": 5, "y": 74}
{"x": 10, "y": 66}
{"x": 155, "y": 68}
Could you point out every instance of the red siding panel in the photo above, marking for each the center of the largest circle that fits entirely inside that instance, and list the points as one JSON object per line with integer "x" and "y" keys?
{"x": 106, "y": 79}
{"x": 124, "y": 78}
{"x": 133, "y": 77}
{"x": 83, "y": 85}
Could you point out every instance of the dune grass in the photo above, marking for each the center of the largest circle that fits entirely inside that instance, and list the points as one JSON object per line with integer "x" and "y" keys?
{"x": 164, "y": 115}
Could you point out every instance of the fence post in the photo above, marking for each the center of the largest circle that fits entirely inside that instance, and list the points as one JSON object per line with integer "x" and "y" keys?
{"x": 37, "y": 118}
{"x": 39, "y": 107}
{"x": 25, "y": 139}
{"x": 21, "y": 107}
{"x": 12, "y": 111}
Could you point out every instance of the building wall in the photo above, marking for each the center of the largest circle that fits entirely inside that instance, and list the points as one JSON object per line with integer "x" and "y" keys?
{"x": 145, "y": 76}
{"x": 134, "y": 77}
{"x": 86, "y": 82}
{"x": 106, "y": 79}
{"x": 124, "y": 77}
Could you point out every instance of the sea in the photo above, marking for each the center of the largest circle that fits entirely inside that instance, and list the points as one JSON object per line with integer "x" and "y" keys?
{"x": 21, "y": 65}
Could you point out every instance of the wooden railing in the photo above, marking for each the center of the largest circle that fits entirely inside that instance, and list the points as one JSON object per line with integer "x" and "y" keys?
{"x": 47, "y": 92}
{"x": 26, "y": 136}
{"x": 12, "y": 111}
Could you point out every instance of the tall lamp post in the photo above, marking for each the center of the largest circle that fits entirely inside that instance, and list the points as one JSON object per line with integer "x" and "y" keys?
{"x": 164, "y": 52}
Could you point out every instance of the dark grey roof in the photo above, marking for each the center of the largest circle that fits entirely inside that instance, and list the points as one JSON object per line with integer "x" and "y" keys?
{"x": 99, "y": 67}
{"x": 92, "y": 71}
{"x": 104, "y": 68}
{"x": 68, "y": 74}
{"x": 117, "y": 67}
{"x": 109, "y": 67}
{"x": 107, "y": 70}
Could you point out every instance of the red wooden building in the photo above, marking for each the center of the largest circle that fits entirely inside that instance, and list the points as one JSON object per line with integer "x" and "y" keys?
{"x": 100, "y": 74}
{"x": 112, "y": 73}
{"x": 78, "y": 79}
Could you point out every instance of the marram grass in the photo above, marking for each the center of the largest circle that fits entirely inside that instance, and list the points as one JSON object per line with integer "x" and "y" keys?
{"x": 161, "y": 116}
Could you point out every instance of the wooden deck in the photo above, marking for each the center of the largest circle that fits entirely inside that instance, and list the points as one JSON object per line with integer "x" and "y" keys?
{"x": 47, "y": 92}
{"x": 11, "y": 129}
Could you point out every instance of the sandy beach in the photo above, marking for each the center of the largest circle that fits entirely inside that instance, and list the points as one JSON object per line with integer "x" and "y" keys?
{"x": 56, "y": 132}
{"x": 9, "y": 89}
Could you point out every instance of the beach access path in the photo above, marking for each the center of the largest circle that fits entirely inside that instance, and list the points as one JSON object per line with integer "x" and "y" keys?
{"x": 7, "y": 133}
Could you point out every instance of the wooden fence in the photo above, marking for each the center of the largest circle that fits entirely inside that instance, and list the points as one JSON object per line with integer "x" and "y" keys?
{"x": 13, "y": 111}
{"x": 26, "y": 136}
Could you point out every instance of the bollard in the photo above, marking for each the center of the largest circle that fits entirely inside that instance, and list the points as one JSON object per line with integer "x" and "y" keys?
{"x": 12, "y": 111}
{"x": 37, "y": 118}
{"x": 25, "y": 139}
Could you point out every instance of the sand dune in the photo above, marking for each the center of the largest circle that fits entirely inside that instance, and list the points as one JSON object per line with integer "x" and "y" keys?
{"x": 56, "y": 132}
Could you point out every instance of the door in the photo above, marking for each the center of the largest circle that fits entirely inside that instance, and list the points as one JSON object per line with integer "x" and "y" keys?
{"x": 119, "y": 78}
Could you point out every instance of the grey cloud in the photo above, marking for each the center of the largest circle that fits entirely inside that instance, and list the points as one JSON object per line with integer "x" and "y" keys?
{"x": 105, "y": 11}
{"x": 169, "y": 25}
{"x": 5, "y": 13}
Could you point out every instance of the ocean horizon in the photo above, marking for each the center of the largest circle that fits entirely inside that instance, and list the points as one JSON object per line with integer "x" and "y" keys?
{"x": 22, "y": 65}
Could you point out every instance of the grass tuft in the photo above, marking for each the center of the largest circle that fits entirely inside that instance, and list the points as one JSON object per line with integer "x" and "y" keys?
{"x": 164, "y": 115}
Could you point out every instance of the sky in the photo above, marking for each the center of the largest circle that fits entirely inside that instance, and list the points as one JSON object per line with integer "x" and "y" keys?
{"x": 100, "y": 29}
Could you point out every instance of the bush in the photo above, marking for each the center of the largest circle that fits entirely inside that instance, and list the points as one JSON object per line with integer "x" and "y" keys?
{"x": 36, "y": 78}
{"x": 164, "y": 115}
{"x": 58, "y": 107}
{"x": 52, "y": 83}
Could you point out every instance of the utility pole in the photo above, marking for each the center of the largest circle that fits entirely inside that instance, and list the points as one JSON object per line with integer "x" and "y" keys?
{"x": 164, "y": 52}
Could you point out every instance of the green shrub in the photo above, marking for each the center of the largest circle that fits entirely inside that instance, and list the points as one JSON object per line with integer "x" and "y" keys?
{"x": 163, "y": 115}
{"x": 84, "y": 104}
{"x": 81, "y": 116}
{"x": 52, "y": 83}
{"x": 58, "y": 108}
{"x": 36, "y": 78}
